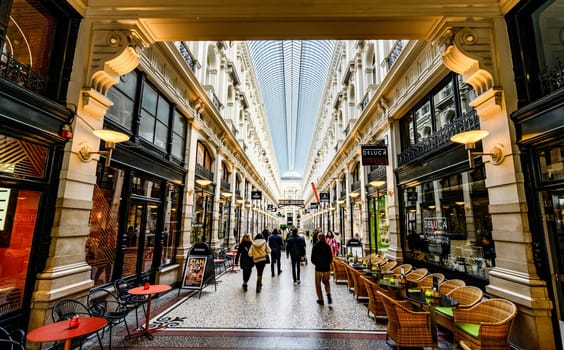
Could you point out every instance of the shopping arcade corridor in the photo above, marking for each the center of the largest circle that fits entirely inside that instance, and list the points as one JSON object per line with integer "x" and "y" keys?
{"x": 282, "y": 316}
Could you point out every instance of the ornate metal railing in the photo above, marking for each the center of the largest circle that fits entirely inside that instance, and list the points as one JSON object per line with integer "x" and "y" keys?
{"x": 365, "y": 101}
{"x": 465, "y": 122}
{"x": 553, "y": 78}
{"x": 225, "y": 185}
{"x": 378, "y": 173}
{"x": 394, "y": 54}
{"x": 21, "y": 74}
{"x": 203, "y": 172}
{"x": 185, "y": 52}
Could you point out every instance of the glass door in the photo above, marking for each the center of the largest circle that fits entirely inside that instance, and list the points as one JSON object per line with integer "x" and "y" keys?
{"x": 142, "y": 230}
{"x": 554, "y": 218}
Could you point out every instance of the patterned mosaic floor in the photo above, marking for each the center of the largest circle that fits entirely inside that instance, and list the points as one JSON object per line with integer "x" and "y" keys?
{"x": 282, "y": 316}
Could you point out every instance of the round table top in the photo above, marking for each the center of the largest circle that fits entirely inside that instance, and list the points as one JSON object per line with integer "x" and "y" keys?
{"x": 153, "y": 289}
{"x": 61, "y": 331}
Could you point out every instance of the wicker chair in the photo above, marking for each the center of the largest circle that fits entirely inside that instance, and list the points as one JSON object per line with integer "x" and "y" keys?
{"x": 359, "y": 289}
{"x": 486, "y": 325}
{"x": 375, "y": 303}
{"x": 405, "y": 326}
{"x": 427, "y": 281}
{"x": 389, "y": 265}
{"x": 406, "y": 267}
{"x": 449, "y": 285}
{"x": 467, "y": 296}
{"x": 350, "y": 280}
{"x": 339, "y": 271}
{"x": 417, "y": 274}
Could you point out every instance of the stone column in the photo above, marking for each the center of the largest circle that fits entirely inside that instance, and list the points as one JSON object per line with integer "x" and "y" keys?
{"x": 103, "y": 53}
{"x": 480, "y": 52}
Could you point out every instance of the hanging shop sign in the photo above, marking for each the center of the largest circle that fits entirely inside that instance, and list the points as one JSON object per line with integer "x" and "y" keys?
{"x": 374, "y": 155}
{"x": 324, "y": 197}
{"x": 256, "y": 195}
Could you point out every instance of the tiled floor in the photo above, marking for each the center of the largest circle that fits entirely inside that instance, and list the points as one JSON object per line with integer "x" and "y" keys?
{"x": 282, "y": 316}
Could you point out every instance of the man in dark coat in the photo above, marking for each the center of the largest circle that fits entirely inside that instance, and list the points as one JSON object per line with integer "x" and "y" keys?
{"x": 295, "y": 248}
{"x": 275, "y": 242}
{"x": 322, "y": 257}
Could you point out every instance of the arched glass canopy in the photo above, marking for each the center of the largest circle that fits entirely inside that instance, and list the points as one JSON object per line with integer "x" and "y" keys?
{"x": 292, "y": 76}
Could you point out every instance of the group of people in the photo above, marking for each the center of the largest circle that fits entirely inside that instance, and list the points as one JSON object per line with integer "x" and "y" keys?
{"x": 254, "y": 252}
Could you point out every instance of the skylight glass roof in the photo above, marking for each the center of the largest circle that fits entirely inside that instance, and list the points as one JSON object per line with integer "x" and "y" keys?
{"x": 292, "y": 75}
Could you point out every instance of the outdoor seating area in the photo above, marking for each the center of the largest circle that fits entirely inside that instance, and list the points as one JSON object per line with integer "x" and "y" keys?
{"x": 416, "y": 304}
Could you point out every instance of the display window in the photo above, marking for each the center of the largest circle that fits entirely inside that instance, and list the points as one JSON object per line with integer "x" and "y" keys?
{"x": 447, "y": 222}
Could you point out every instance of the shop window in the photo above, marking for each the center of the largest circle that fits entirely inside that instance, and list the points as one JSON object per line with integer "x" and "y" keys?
{"x": 172, "y": 224}
{"x": 203, "y": 156}
{"x": 22, "y": 159}
{"x": 447, "y": 223}
{"x": 101, "y": 243}
{"x": 123, "y": 97}
{"x": 178, "y": 135}
{"x": 26, "y": 47}
{"x": 551, "y": 161}
{"x": 155, "y": 115}
{"x": 435, "y": 112}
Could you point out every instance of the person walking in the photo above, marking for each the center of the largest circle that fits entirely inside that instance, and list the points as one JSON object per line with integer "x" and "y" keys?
{"x": 295, "y": 249}
{"x": 333, "y": 243}
{"x": 259, "y": 250}
{"x": 246, "y": 261}
{"x": 322, "y": 257}
{"x": 275, "y": 242}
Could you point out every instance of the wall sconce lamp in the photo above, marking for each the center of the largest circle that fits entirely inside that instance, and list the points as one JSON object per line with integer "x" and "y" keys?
{"x": 469, "y": 139}
{"x": 354, "y": 194}
{"x": 110, "y": 137}
{"x": 340, "y": 201}
{"x": 226, "y": 194}
{"x": 376, "y": 183}
{"x": 203, "y": 182}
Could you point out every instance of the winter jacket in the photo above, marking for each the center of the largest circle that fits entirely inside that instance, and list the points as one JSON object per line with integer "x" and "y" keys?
{"x": 243, "y": 254}
{"x": 275, "y": 242}
{"x": 295, "y": 247}
{"x": 259, "y": 250}
{"x": 321, "y": 256}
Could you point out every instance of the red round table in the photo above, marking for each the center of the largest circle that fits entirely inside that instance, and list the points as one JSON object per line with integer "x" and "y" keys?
{"x": 232, "y": 254}
{"x": 153, "y": 289}
{"x": 61, "y": 331}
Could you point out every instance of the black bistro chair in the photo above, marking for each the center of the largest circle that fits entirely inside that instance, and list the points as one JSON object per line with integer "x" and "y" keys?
{"x": 12, "y": 340}
{"x": 103, "y": 303}
{"x": 65, "y": 309}
{"x": 131, "y": 302}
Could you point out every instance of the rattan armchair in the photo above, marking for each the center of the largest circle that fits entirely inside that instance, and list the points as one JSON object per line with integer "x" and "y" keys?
{"x": 350, "y": 280}
{"x": 486, "y": 325}
{"x": 339, "y": 271}
{"x": 427, "y": 281}
{"x": 406, "y": 268}
{"x": 359, "y": 289}
{"x": 417, "y": 274}
{"x": 449, "y": 285}
{"x": 467, "y": 296}
{"x": 389, "y": 265}
{"x": 405, "y": 326}
{"x": 375, "y": 303}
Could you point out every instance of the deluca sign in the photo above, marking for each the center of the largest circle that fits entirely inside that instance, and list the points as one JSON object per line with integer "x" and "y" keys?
{"x": 374, "y": 155}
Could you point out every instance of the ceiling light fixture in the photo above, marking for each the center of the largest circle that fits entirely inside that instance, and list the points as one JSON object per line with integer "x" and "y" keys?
{"x": 469, "y": 139}
{"x": 376, "y": 183}
{"x": 110, "y": 137}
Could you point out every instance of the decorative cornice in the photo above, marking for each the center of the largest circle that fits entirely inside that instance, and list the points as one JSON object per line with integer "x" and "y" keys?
{"x": 115, "y": 52}
{"x": 469, "y": 52}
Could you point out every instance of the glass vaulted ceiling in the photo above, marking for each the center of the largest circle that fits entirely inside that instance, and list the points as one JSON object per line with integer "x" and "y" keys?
{"x": 292, "y": 76}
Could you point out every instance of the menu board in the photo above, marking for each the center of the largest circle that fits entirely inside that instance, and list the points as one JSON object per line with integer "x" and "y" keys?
{"x": 194, "y": 272}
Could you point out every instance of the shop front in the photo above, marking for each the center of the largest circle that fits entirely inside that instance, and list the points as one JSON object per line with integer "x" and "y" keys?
{"x": 445, "y": 224}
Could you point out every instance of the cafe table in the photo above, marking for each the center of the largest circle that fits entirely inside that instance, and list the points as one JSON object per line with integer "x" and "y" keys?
{"x": 152, "y": 289}
{"x": 418, "y": 296}
{"x": 62, "y": 331}
{"x": 232, "y": 254}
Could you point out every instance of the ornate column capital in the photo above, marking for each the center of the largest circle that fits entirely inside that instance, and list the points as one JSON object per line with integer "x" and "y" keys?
{"x": 469, "y": 50}
{"x": 114, "y": 52}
